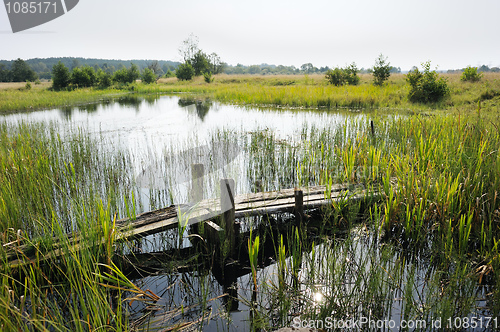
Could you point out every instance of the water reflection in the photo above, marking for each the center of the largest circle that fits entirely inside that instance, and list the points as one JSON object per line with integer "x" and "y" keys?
{"x": 201, "y": 107}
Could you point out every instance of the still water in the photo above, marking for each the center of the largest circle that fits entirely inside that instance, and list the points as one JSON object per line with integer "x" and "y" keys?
{"x": 164, "y": 135}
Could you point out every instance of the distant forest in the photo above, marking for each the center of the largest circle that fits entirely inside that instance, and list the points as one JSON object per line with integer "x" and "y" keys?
{"x": 43, "y": 67}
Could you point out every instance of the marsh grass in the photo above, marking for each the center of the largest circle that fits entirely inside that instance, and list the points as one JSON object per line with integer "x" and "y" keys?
{"x": 52, "y": 188}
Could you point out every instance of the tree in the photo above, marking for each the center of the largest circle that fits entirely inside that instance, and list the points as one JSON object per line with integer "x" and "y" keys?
{"x": 60, "y": 76}
{"x": 184, "y": 72}
{"x": 148, "y": 76}
{"x": 200, "y": 63}
{"x": 133, "y": 73}
{"x": 4, "y": 73}
{"x": 381, "y": 71}
{"x": 155, "y": 67}
{"x": 351, "y": 73}
{"x": 426, "y": 86}
{"x": 21, "y": 72}
{"x": 189, "y": 48}
{"x": 217, "y": 66}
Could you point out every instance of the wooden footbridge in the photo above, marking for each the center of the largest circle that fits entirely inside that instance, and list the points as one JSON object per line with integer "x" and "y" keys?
{"x": 227, "y": 210}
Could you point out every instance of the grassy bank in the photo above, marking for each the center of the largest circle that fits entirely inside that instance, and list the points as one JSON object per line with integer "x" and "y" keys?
{"x": 15, "y": 99}
{"x": 271, "y": 91}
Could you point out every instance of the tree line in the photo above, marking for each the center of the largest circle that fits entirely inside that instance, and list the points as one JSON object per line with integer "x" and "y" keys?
{"x": 43, "y": 67}
{"x": 86, "y": 76}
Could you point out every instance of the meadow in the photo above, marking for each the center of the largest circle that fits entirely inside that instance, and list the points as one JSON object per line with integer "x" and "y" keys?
{"x": 427, "y": 248}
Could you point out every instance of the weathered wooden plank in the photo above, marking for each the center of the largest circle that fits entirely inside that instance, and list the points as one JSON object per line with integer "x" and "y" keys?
{"x": 244, "y": 205}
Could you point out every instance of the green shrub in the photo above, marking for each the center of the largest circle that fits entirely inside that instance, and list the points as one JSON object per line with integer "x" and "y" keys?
{"x": 184, "y": 72}
{"x": 341, "y": 76}
{"x": 208, "y": 77}
{"x": 28, "y": 85}
{"x": 426, "y": 86}
{"x": 104, "y": 79}
{"x": 83, "y": 77}
{"x": 127, "y": 76}
{"x": 470, "y": 74}
{"x": 148, "y": 76}
{"x": 381, "y": 71}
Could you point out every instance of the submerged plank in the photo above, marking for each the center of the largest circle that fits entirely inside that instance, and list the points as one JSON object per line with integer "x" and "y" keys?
{"x": 153, "y": 222}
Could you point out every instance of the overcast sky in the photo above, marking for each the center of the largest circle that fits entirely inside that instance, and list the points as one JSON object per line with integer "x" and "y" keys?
{"x": 450, "y": 33}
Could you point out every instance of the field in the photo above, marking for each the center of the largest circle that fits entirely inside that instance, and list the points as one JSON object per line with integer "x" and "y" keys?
{"x": 427, "y": 249}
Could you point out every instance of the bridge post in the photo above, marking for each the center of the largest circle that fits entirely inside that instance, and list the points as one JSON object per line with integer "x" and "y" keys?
{"x": 227, "y": 190}
{"x": 197, "y": 172}
{"x": 299, "y": 204}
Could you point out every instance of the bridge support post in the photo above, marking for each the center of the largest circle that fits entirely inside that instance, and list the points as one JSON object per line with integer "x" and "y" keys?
{"x": 299, "y": 204}
{"x": 228, "y": 223}
{"x": 197, "y": 172}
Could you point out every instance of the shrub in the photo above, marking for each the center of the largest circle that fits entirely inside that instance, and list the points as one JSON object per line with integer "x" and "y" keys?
{"x": 341, "y": 76}
{"x": 426, "y": 86}
{"x": 148, "y": 76}
{"x": 83, "y": 77}
{"x": 28, "y": 85}
{"x": 208, "y": 77}
{"x": 60, "y": 76}
{"x": 104, "y": 79}
{"x": 381, "y": 71}
{"x": 470, "y": 74}
{"x": 125, "y": 75}
{"x": 335, "y": 76}
{"x": 184, "y": 72}
{"x": 121, "y": 76}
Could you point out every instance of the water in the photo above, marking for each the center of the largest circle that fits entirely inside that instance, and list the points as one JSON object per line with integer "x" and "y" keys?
{"x": 165, "y": 134}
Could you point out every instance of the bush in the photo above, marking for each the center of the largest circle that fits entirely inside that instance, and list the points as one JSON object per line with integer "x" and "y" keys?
{"x": 148, "y": 76}
{"x": 60, "y": 76}
{"x": 104, "y": 80}
{"x": 121, "y": 76}
{"x": 184, "y": 72}
{"x": 381, "y": 71}
{"x": 426, "y": 86}
{"x": 208, "y": 77}
{"x": 125, "y": 75}
{"x": 470, "y": 74}
{"x": 341, "y": 76}
{"x": 83, "y": 77}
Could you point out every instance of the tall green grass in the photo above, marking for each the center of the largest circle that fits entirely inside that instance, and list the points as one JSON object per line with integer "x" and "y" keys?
{"x": 53, "y": 187}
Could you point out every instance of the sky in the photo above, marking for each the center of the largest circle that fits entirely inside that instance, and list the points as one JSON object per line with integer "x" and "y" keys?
{"x": 451, "y": 34}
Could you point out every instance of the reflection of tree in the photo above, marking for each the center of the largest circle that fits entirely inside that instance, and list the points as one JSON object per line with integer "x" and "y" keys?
{"x": 202, "y": 106}
{"x": 66, "y": 112}
{"x": 132, "y": 101}
{"x": 185, "y": 102}
{"x": 90, "y": 108}
{"x": 151, "y": 99}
